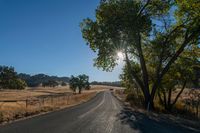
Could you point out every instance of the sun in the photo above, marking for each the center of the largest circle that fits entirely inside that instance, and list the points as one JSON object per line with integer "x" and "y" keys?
{"x": 120, "y": 55}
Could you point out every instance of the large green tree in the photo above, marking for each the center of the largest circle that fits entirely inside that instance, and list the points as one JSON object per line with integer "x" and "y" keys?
{"x": 160, "y": 28}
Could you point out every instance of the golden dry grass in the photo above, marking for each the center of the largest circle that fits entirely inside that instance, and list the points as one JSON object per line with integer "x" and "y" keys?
{"x": 31, "y": 92}
{"x": 36, "y": 103}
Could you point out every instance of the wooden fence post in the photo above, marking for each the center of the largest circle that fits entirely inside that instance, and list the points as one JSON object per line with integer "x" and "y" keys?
{"x": 42, "y": 101}
{"x": 67, "y": 99}
{"x": 51, "y": 100}
{"x": 26, "y": 103}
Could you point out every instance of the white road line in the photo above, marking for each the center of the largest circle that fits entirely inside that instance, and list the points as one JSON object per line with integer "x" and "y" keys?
{"x": 93, "y": 109}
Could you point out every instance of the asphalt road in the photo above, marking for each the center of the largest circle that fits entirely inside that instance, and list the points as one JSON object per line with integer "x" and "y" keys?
{"x": 102, "y": 114}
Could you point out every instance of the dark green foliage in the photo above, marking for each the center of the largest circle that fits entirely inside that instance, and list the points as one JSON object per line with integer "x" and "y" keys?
{"x": 50, "y": 83}
{"x": 80, "y": 82}
{"x": 63, "y": 84}
{"x": 83, "y": 82}
{"x": 9, "y": 79}
{"x": 73, "y": 83}
{"x": 152, "y": 34}
{"x": 116, "y": 83}
{"x": 114, "y": 30}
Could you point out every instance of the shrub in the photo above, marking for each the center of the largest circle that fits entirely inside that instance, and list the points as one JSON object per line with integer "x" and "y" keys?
{"x": 9, "y": 79}
{"x": 135, "y": 100}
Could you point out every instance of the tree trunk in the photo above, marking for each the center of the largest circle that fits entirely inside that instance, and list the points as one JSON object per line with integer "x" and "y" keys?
{"x": 145, "y": 90}
{"x": 79, "y": 90}
{"x": 151, "y": 105}
{"x": 160, "y": 98}
{"x": 169, "y": 107}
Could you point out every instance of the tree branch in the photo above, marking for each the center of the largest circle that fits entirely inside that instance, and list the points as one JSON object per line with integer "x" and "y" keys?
{"x": 143, "y": 64}
{"x": 133, "y": 74}
{"x": 143, "y": 8}
{"x": 173, "y": 59}
{"x": 184, "y": 84}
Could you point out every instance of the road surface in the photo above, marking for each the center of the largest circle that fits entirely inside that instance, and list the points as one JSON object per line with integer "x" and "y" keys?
{"x": 102, "y": 114}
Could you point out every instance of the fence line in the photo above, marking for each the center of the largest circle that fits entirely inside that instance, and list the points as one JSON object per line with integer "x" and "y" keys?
{"x": 48, "y": 100}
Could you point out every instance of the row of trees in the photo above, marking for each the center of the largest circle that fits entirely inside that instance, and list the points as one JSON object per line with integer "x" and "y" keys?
{"x": 38, "y": 79}
{"x": 160, "y": 41}
{"x": 50, "y": 83}
{"x": 53, "y": 83}
{"x": 9, "y": 79}
{"x": 80, "y": 82}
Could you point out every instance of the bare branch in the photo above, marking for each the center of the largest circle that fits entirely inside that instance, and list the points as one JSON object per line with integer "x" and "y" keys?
{"x": 143, "y": 8}
{"x": 184, "y": 84}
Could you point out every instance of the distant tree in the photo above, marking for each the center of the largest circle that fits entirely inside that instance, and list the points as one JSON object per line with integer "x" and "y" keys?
{"x": 116, "y": 83}
{"x": 80, "y": 82}
{"x": 73, "y": 83}
{"x": 83, "y": 82}
{"x": 50, "y": 83}
{"x": 9, "y": 79}
{"x": 63, "y": 84}
{"x": 87, "y": 86}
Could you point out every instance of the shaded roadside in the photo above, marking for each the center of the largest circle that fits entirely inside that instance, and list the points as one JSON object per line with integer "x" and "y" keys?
{"x": 154, "y": 124}
{"x": 147, "y": 122}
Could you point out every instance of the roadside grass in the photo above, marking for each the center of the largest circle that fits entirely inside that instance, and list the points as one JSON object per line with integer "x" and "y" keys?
{"x": 34, "y": 101}
{"x": 180, "y": 109}
{"x": 179, "y": 116}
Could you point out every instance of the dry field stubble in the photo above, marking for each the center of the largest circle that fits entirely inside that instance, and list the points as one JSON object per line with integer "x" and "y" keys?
{"x": 191, "y": 110}
{"x": 16, "y": 104}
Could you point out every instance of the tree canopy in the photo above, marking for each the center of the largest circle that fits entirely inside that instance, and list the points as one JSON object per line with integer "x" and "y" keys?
{"x": 152, "y": 34}
{"x": 80, "y": 82}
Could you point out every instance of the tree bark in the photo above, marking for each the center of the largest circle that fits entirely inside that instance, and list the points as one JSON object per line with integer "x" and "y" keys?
{"x": 146, "y": 93}
{"x": 143, "y": 64}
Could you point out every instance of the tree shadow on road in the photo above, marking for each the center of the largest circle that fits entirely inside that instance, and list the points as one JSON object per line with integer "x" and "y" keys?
{"x": 154, "y": 124}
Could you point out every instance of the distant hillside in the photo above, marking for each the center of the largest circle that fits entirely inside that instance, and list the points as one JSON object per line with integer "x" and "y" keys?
{"x": 116, "y": 83}
{"x": 36, "y": 80}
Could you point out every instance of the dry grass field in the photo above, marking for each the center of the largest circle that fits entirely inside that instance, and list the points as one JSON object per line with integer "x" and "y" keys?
{"x": 29, "y": 93}
{"x": 16, "y": 104}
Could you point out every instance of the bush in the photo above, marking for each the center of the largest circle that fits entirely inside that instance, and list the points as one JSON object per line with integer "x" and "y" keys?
{"x": 9, "y": 79}
{"x": 63, "y": 84}
{"x": 135, "y": 100}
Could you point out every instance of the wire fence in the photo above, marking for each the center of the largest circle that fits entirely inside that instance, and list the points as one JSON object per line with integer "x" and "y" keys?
{"x": 14, "y": 109}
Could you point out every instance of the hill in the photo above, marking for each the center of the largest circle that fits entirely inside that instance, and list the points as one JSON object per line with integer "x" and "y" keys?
{"x": 36, "y": 80}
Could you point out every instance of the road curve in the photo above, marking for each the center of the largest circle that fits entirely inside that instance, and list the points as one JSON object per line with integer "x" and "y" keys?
{"x": 102, "y": 114}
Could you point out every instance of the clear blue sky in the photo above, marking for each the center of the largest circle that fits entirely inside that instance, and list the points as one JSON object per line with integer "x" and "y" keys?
{"x": 43, "y": 36}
